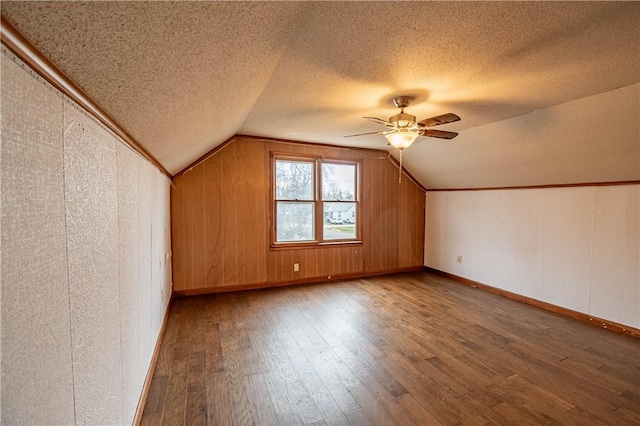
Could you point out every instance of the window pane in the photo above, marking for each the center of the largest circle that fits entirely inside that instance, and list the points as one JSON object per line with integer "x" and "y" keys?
{"x": 294, "y": 222}
{"x": 339, "y": 221}
{"x": 338, "y": 182}
{"x": 294, "y": 180}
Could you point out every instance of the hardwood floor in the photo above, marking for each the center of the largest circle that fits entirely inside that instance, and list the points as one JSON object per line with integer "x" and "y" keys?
{"x": 404, "y": 349}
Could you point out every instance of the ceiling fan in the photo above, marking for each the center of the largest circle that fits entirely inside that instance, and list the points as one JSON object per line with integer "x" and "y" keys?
{"x": 403, "y": 129}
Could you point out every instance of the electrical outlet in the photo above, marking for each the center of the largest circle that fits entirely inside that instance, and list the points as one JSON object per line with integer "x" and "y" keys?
{"x": 296, "y": 267}
{"x": 459, "y": 258}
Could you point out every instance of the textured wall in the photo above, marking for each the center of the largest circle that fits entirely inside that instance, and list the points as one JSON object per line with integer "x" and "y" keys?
{"x": 160, "y": 242}
{"x": 567, "y": 246}
{"x": 36, "y": 338}
{"x": 128, "y": 195}
{"x": 144, "y": 267}
{"x": 616, "y": 237}
{"x": 573, "y": 247}
{"x": 92, "y": 245}
{"x": 79, "y": 316}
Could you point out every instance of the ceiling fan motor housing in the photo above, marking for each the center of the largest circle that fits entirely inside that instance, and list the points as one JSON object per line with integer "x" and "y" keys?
{"x": 403, "y": 120}
{"x": 403, "y": 129}
{"x": 402, "y": 101}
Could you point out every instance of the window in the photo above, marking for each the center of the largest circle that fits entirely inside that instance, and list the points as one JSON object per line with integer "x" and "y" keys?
{"x": 315, "y": 200}
{"x": 295, "y": 200}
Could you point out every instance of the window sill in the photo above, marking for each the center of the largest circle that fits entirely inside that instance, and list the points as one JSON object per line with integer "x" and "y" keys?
{"x": 313, "y": 244}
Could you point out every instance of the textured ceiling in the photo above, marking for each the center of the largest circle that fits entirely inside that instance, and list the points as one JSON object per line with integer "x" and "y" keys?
{"x": 182, "y": 77}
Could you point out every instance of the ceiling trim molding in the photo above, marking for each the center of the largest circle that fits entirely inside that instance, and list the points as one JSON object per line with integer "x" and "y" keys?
{"x": 17, "y": 43}
{"x": 559, "y": 185}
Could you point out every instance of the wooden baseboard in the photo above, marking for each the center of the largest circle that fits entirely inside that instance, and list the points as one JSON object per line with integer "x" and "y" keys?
{"x": 272, "y": 284}
{"x": 152, "y": 366}
{"x": 580, "y": 316}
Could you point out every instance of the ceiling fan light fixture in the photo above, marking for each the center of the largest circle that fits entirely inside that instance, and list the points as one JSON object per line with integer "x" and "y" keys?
{"x": 402, "y": 129}
{"x": 401, "y": 139}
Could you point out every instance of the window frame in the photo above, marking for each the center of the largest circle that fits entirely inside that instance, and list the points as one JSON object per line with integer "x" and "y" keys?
{"x": 318, "y": 202}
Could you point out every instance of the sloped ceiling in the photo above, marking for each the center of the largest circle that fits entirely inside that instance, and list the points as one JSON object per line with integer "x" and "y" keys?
{"x": 182, "y": 77}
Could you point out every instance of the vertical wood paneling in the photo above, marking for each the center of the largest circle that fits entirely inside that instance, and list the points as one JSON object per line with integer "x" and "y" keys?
{"x": 311, "y": 265}
{"x": 213, "y": 221}
{"x": 392, "y": 219}
{"x": 187, "y": 211}
{"x": 358, "y": 260}
{"x": 231, "y": 209}
{"x": 371, "y": 218}
{"x": 345, "y": 259}
{"x": 197, "y": 199}
{"x": 271, "y": 266}
{"x": 377, "y": 233}
{"x": 270, "y": 256}
{"x": 178, "y": 235}
{"x": 384, "y": 236}
{"x": 222, "y": 209}
{"x": 416, "y": 227}
{"x": 253, "y": 187}
{"x": 404, "y": 225}
{"x": 417, "y": 230}
{"x": 243, "y": 215}
{"x": 187, "y": 207}
{"x": 325, "y": 262}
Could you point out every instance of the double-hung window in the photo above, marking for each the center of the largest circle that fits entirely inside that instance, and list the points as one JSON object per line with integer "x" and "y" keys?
{"x": 315, "y": 201}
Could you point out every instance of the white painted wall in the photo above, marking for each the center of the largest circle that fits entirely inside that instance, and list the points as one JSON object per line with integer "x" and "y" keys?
{"x": 85, "y": 280}
{"x": 578, "y": 248}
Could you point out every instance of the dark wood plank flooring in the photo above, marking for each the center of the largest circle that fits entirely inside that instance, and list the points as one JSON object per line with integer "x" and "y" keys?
{"x": 404, "y": 349}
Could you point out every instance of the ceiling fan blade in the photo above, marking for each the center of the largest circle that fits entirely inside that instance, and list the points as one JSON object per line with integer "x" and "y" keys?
{"x": 439, "y": 119}
{"x": 439, "y": 134}
{"x": 362, "y": 134}
{"x": 379, "y": 120}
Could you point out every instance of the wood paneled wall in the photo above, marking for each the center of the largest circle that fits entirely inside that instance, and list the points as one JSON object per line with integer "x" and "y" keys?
{"x": 221, "y": 221}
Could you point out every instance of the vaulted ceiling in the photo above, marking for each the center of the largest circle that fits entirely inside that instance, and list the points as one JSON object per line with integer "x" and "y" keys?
{"x": 182, "y": 77}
